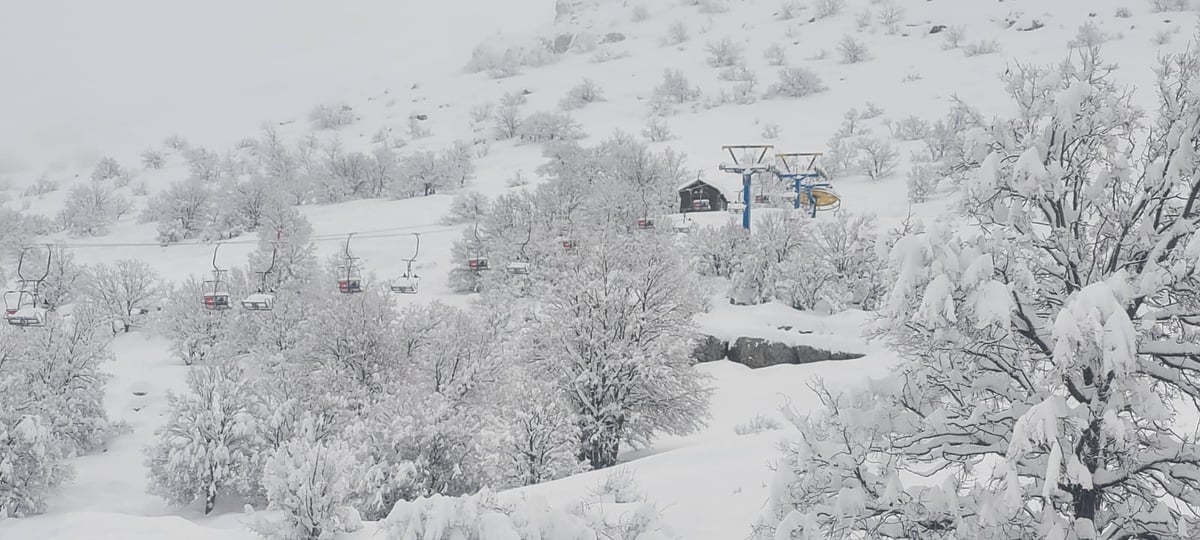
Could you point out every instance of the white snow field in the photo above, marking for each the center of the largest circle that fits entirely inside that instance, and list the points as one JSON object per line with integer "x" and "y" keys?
{"x": 90, "y": 79}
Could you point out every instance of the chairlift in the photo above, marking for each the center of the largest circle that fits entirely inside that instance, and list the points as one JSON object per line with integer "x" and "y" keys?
{"x": 521, "y": 266}
{"x": 478, "y": 263}
{"x": 568, "y": 244}
{"x": 701, "y": 205}
{"x": 24, "y": 306}
{"x": 216, "y": 290}
{"x": 518, "y": 267}
{"x": 349, "y": 275}
{"x": 407, "y": 283}
{"x": 683, "y": 226}
{"x": 645, "y": 223}
{"x": 264, "y": 298}
{"x": 21, "y": 309}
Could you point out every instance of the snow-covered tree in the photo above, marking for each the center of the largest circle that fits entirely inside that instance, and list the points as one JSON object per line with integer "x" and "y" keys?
{"x": 91, "y": 207}
{"x": 1046, "y": 386}
{"x": 125, "y": 289}
{"x": 192, "y": 329}
{"x": 544, "y": 443}
{"x": 209, "y": 442}
{"x": 51, "y": 406}
{"x": 31, "y": 464}
{"x": 616, "y": 334}
{"x": 308, "y": 484}
{"x": 182, "y": 211}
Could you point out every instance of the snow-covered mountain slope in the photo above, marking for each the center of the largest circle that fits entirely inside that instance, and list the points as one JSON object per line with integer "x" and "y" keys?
{"x": 390, "y": 62}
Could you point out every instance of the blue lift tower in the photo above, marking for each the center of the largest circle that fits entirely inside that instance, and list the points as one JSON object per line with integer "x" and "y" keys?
{"x": 747, "y": 169}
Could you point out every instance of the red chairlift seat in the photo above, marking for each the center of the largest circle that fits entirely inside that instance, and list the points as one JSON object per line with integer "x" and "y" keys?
{"x": 349, "y": 286}
{"x": 645, "y": 223}
{"x": 477, "y": 263}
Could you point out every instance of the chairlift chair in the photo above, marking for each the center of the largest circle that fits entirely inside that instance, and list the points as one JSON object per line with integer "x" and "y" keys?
{"x": 216, "y": 290}
{"x": 21, "y": 309}
{"x": 264, "y": 298}
{"x": 645, "y": 223}
{"x": 407, "y": 283}
{"x": 349, "y": 280}
{"x": 349, "y": 275}
{"x": 477, "y": 263}
{"x": 701, "y": 205}
{"x": 568, "y": 244}
{"x": 518, "y": 267}
{"x": 683, "y": 226}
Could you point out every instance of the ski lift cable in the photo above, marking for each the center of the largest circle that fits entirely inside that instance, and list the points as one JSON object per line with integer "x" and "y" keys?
{"x": 394, "y": 232}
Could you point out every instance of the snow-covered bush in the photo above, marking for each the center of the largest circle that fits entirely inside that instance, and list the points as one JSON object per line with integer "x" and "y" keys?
{"x": 891, "y": 15}
{"x": 106, "y": 169}
{"x": 182, "y": 211}
{"x": 716, "y": 251}
{"x": 923, "y": 179}
{"x": 1160, "y": 6}
{"x": 90, "y": 208}
{"x": 775, "y": 55}
{"x": 581, "y": 95}
{"x": 909, "y": 128}
{"x": 978, "y": 48}
{"x": 677, "y": 33}
{"x": 770, "y": 131}
{"x": 878, "y": 157}
{"x": 204, "y": 165}
{"x": 176, "y": 143}
{"x": 953, "y": 36}
{"x": 331, "y": 116}
{"x": 790, "y": 9}
{"x": 724, "y": 53}
{"x": 41, "y": 186}
{"x": 508, "y": 115}
{"x": 1088, "y": 35}
{"x": 417, "y": 130}
{"x": 549, "y": 126}
{"x": 467, "y": 207}
{"x": 153, "y": 159}
{"x": 828, "y": 8}
{"x": 675, "y": 88}
{"x": 797, "y": 82}
{"x": 1062, "y": 340}
{"x": 208, "y": 444}
{"x": 758, "y": 424}
{"x": 657, "y": 129}
{"x": 1123, "y": 13}
{"x": 852, "y": 50}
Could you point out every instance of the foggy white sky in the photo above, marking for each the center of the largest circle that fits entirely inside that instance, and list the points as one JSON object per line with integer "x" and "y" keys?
{"x": 81, "y": 78}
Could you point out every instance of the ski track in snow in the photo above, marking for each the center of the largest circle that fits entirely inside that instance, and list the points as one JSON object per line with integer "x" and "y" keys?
{"x": 710, "y": 485}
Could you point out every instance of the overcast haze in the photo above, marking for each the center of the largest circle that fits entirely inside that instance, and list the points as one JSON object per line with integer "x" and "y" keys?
{"x": 83, "y": 78}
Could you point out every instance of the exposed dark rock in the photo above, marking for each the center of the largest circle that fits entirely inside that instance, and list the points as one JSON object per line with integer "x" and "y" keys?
{"x": 613, "y": 37}
{"x": 937, "y": 29}
{"x": 562, "y": 43}
{"x": 759, "y": 353}
{"x": 711, "y": 349}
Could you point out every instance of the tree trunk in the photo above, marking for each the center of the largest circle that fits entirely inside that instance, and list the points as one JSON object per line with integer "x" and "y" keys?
{"x": 599, "y": 448}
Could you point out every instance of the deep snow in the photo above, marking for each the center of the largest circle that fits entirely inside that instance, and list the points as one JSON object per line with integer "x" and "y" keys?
{"x": 711, "y": 484}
